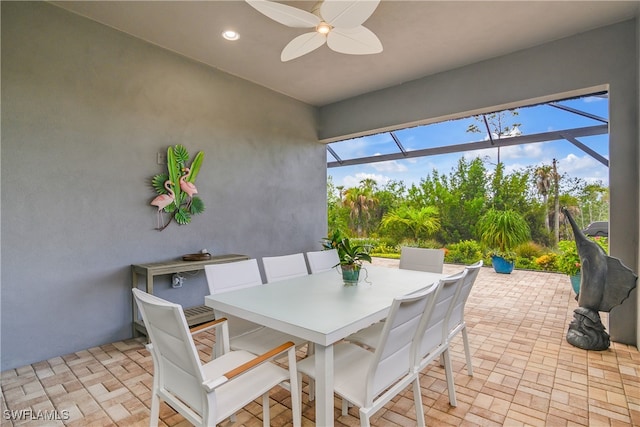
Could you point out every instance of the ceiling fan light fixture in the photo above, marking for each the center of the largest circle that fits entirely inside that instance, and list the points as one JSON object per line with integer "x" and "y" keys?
{"x": 324, "y": 28}
{"x": 338, "y": 23}
{"x": 230, "y": 35}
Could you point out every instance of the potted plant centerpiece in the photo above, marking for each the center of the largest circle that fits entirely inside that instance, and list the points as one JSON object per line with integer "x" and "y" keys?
{"x": 351, "y": 256}
{"x": 501, "y": 231}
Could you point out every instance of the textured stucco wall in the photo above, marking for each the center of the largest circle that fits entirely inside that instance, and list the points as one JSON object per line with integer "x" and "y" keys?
{"x": 605, "y": 58}
{"x": 85, "y": 110}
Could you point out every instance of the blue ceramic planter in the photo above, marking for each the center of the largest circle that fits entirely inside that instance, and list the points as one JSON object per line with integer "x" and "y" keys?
{"x": 501, "y": 265}
{"x": 575, "y": 283}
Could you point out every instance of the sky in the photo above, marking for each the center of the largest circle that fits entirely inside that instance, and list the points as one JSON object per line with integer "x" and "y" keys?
{"x": 537, "y": 119}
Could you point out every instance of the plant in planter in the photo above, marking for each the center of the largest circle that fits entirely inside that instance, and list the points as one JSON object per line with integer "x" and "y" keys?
{"x": 501, "y": 231}
{"x": 351, "y": 256}
{"x": 568, "y": 261}
{"x": 333, "y": 240}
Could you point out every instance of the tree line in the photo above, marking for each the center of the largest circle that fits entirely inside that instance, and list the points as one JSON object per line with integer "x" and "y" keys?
{"x": 444, "y": 209}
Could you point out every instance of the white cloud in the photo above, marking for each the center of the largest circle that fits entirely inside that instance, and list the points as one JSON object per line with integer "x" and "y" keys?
{"x": 389, "y": 166}
{"x": 585, "y": 167}
{"x": 354, "y": 180}
{"x": 528, "y": 151}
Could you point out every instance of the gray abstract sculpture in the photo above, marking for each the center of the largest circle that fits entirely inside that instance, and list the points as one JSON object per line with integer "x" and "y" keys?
{"x": 605, "y": 283}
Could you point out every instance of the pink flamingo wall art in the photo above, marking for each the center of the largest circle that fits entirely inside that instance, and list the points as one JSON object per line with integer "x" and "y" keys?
{"x": 162, "y": 201}
{"x": 181, "y": 177}
{"x": 186, "y": 186}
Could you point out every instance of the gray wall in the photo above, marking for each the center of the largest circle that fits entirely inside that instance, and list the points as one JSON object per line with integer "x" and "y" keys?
{"x": 85, "y": 109}
{"x": 606, "y": 58}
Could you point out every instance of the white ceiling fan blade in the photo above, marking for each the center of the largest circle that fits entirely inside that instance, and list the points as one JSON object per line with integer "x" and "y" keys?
{"x": 354, "y": 41}
{"x": 347, "y": 14}
{"x": 302, "y": 45}
{"x": 286, "y": 15}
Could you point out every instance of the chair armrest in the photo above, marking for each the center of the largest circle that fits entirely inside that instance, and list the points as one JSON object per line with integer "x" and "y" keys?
{"x": 211, "y": 384}
{"x": 259, "y": 360}
{"x": 206, "y": 326}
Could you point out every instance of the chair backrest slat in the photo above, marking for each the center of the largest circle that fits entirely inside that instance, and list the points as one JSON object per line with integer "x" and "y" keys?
{"x": 232, "y": 276}
{"x": 433, "y": 330}
{"x": 392, "y": 358}
{"x": 421, "y": 259}
{"x": 284, "y": 267}
{"x": 320, "y": 261}
{"x": 457, "y": 314}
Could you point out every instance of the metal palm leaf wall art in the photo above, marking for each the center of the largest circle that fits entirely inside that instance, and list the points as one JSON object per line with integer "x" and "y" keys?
{"x": 176, "y": 189}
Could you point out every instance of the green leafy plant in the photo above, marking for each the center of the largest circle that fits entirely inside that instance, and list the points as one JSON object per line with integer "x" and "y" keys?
{"x": 180, "y": 178}
{"x": 547, "y": 262}
{"x": 502, "y": 231}
{"x": 568, "y": 261}
{"x": 529, "y": 250}
{"x": 464, "y": 252}
{"x": 349, "y": 254}
{"x": 352, "y": 254}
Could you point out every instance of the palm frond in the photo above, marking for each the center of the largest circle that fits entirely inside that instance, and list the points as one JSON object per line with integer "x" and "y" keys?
{"x": 197, "y": 206}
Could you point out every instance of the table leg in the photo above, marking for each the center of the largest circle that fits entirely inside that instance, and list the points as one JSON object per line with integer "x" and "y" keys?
{"x": 324, "y": 385}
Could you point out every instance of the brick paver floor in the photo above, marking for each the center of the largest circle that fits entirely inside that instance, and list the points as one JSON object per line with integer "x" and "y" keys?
{"x": 525, "y": 373}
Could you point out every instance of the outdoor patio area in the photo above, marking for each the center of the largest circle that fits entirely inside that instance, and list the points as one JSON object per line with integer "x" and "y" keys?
{"x": 525, "y": 373}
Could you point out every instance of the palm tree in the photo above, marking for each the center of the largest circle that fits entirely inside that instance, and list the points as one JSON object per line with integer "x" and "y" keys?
{"x": 418, "y": 221}
{"x": 543, "y": 176}
{"x": 361, "y": 202}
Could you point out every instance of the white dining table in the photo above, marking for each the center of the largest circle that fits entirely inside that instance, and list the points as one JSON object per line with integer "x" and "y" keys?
{"x": 319, "y": 308}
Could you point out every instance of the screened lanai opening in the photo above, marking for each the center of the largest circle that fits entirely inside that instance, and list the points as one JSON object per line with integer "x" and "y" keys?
{"x": 574, "y": 131}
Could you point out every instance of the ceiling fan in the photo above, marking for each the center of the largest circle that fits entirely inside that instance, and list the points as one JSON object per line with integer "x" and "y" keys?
{"x": 336, "y": 22}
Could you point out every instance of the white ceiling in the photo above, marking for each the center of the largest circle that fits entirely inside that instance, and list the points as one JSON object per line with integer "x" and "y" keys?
{"x": 420, "y": 38}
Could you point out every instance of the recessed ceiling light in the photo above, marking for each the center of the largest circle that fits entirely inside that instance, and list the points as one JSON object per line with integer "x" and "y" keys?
{"x": 230, "y": 35}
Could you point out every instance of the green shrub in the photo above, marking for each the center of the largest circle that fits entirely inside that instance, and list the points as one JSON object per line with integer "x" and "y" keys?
{"x": 529, "y": 250}
{"x": 568, "y": 261}
{"x": 464, "y": 252}
{"x": 547, "y": 262}
{"x": 383, "y": 248}
{"x": 429, "y": 244}
{"x": 526, "y": 264}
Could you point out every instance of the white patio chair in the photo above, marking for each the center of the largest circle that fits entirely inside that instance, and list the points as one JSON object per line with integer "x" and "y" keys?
{"x": 284, "y": 267}
{"x": 435, "y": 341}
{"x": 206, "y": 394}
{"x": 371, "y": 379}
{"x": 456, "y": 320}
{"x": 434, "y": 330}
{"x": 421, "y": 259}
{"x": 321, "y": 261}
{"x": 243, "y": 334}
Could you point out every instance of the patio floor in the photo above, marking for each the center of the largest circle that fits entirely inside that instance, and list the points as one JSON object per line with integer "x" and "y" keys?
{"x": 525, "y": 373}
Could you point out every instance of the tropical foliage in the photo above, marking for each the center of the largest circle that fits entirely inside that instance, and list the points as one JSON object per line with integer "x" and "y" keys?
{"x": 568, "y": 261}
{"x": 348, "y": 253}
{"x": 444, "y": 210}
{"x": 502, "y": 230}
{"x": 410, "y": 222}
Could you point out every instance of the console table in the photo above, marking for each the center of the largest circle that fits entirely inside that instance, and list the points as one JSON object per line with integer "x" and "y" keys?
{"x": 194, "y": 315}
